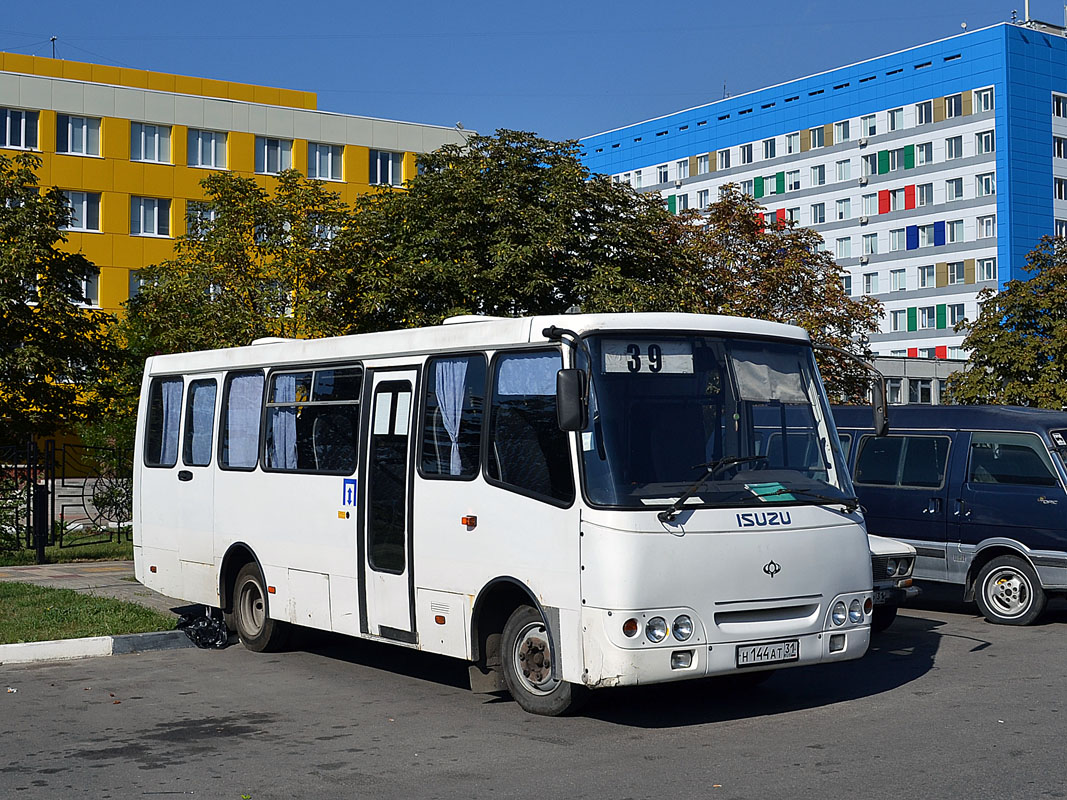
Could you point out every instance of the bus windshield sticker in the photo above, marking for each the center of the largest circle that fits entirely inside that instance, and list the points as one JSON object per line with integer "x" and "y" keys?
{"x": 770, "y": 492}
{"x": 648, "y": 357}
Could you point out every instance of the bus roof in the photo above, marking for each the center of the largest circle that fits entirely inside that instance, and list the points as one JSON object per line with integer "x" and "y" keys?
{"x": 462, "y": 333}
{"x": 950, "y": 417}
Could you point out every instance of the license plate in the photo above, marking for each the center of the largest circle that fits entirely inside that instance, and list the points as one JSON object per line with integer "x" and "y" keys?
{"x": 750, "y": 655}
{"x": 880, "y": 597}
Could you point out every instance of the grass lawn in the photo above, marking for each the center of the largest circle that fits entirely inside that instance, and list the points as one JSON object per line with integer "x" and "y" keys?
{"x": 100, "y": 551}
{"x": 31, "y": 613}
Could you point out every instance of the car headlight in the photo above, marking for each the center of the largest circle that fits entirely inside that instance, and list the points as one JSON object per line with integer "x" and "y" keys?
{"x": 839, "y": 614}
{"x": 904, "y": 569}
{"x": 656, "y": 629}
{"x": 855, "y": 611}
{"x": 682, "y": 628}
{"x": 891, "y": 567}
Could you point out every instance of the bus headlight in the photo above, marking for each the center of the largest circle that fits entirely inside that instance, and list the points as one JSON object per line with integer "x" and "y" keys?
{"x": 682, "y": 628}
{"x": 840, "y": 613}
{"x": 656, "y": 629}
{"x": 855, "y": 611}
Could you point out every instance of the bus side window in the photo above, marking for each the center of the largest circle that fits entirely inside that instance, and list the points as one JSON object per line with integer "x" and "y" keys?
{"x": 527, "y": 450}
{"x": 199, "y": 423}
{"x": 242, "y": 404}
{"x": 164, "y": 416}
{"x": 452, "y": 416}
{"x": 312, "y": 421}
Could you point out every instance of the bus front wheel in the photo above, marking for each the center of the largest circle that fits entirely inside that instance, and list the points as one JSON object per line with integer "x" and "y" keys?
{"x": 256, "y": 629}
{"x": 530, "y": 667}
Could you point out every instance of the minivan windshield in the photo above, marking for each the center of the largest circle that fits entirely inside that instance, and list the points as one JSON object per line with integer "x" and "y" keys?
{"x": 666, "y": 408}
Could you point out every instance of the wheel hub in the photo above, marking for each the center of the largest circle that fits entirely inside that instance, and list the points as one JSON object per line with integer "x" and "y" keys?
{"x": 1009, "y": 593}
{"x": 533, "y": 655}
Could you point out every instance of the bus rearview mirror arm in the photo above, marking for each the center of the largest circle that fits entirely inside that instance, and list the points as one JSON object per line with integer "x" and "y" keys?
{"x": 572, "y": 385}
{"x": 878, "y": 393}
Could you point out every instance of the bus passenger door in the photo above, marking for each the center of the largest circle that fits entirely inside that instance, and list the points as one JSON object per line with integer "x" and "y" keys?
{"x": 386, "y": 581}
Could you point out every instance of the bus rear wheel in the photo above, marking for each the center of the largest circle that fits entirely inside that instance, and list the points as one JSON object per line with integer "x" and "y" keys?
{"x": 258, "y": 632}
{"x": 1009, "y": 592}
{"x": 531, "y": 667}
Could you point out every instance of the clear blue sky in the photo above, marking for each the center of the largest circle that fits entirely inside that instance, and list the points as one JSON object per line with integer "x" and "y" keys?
{"x": 562, "y": 69}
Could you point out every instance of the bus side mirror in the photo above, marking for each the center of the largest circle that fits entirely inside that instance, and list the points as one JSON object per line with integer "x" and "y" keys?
{"x": 572, "y": 411}
{"x": 878, "y": 406}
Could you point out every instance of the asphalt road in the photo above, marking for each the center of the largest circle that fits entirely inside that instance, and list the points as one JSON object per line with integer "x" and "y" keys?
{"x": 944, "y": 705}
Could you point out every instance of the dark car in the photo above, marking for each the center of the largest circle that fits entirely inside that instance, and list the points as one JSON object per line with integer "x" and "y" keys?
{"x": 977, "y": 490}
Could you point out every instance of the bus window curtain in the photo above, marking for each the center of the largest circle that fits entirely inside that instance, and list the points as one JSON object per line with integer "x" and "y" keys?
{"x": 203, "y": 399}
{"x": 283, "y": 424}
{"x": 242, "y": 420}
{"x": 172, "y": 401}
{"x": 451, "y": 384}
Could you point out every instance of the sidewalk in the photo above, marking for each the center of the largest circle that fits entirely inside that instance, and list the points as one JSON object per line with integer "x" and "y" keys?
{"x": 102, "y": 578}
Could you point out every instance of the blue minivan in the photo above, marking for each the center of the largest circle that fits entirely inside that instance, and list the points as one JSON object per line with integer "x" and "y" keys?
{"x": 977, "y": 490}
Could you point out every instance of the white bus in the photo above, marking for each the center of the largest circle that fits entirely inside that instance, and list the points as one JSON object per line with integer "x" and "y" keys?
{"x": 624, "y": 499}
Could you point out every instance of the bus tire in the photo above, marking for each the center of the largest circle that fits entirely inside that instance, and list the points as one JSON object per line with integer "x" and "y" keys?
{"x": 1009, "y": 592}
{"x": 257, "y": 631}
{"x": 883, "y": 617}
{"x": 528, "y": 661}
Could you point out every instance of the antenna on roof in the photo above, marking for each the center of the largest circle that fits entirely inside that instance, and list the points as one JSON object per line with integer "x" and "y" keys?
{"x": 725, "y": 93}
{"x": 54, "y": 46}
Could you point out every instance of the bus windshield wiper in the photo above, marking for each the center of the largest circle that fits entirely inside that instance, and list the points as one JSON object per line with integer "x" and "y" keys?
{"x": 850, "y": 503}
{"x": 671, "y": 511}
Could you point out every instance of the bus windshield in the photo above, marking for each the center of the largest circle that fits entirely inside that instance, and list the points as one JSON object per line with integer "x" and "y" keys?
{"x": 748, "y": 415}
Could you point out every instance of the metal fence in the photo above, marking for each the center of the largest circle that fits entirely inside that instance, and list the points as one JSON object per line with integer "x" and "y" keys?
{"x": 66, "y": 495}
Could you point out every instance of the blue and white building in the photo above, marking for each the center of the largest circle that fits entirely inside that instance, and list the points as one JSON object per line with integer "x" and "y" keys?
{"x": 930, "y": 172}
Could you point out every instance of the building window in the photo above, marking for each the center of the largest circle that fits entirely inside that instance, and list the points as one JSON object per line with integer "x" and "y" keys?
{"x": 927, "y": 352}
{"x": 897, "y": 199}
{"x": 841, "y": 131}
{"x": 953, "y": 148}
{"x": 681, "y": 202}
{"x": 661, "y": 173}
{"x": 843, "y": 247}
{"x": 926, "y": 276}
{"x": 1061, "y": 229}
{"x": 703, "y": 164}
{"x": 324, "y": 163}
{"x": 924, "y": 113}
{"x": 793, "y": 214}
{"x": 637, "y": 178}
{"x": 924, "y": 153}
{"x": 683, "y": 168}
{"x": 792, "y": 180}
{"x": 207, "y": 149}
{"x": 983, "y": 100}
{"x": 18, "y": 129}
{"x": 844, "y": 169}
{"x": 1060, "y": 185}
{"x": 816, "y": 135}
{"x": 954, "y": 231}
{"x": 846, "y": 285}
{"x": 745, "y": 153}
{"x": 898, "y": 281}
{"x": 870, "y": 205}
{"x": 869, "y": 125}
{"x": 77, "y": 135}
{"x": 924, "y": 194}
{"x": 870, "y": 283}
{"x": 748, "y": 187}
{"x": 1059, "y": 147}
{"x": 896, "y": 159}
{"x": 926, "y": 236}
{"x": 870, "y": 164}
{"x": 897, "y": 240}
{"x": 150, "y": 142}
{"x": 844, "y": 208}
{"x": 386, "y": 168}
{"x": 870, "y": 244}
{"x": 953, "y": 106}
{"x": 149, "y": 216}
{"x": 927, "y": 317}
{"x": 818, "y": 175}
{"x": 792, "y": 143}
{"x": 896, "y": 119}
{"x": 86, "y": 211}
{"x": 818, "y": 213}
{"x": 920, "y": 390}
{"x": 955, "y": 314}
{"x": 703, "y": 198}
{"x": 724, "y": 162}
{"x": 956, "y": 273}
{"x": 768, "y": 148}
{"x": 898, "y": 320}
{"x": 90, "y": 286}
{"x": 987, "y": 227}
{"x": 953, "y": 189}
{"x": 987, "y": 269}
{"x": 198, "y": 218}
{"x": 985, "y": 184}
{"x": 985, "y": 142}
{"x": 273, "y": 155}
{"x": 1059, "y": 105}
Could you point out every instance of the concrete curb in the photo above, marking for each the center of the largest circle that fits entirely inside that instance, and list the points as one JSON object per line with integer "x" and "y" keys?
{"x": 66, "y": 649}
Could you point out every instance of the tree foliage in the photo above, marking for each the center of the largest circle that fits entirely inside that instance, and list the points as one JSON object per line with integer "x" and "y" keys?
{"x": 1018, "y": 343}
{"x": 50, "y": 346}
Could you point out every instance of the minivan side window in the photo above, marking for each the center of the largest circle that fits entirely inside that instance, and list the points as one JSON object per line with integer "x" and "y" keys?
{"x": 1010, "y": 458}
{"x": 164, "y": 416}
{"x": 910, "y": 461}
{"x": 527, "y": 450}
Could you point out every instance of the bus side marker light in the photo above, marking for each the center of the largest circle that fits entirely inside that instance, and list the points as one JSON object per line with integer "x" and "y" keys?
{"x": 272, "y": 590}
{"x": 152, "y": 569}
{"x": 629, "y": 628}
{"x": 868, "y": 606}
{"x": 439, "y": 619}
{"x": 470, "y": 521}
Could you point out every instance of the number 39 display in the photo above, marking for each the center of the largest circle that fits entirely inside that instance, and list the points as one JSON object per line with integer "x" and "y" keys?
{"x": 642, "y": 357}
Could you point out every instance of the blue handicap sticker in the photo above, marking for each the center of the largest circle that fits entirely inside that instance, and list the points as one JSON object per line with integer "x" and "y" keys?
{"x": 348, "y": 492}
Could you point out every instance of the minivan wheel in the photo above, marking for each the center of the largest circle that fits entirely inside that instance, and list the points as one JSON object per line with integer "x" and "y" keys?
{"x": 883, "y": 617}
{"x": 1009, "y": 592}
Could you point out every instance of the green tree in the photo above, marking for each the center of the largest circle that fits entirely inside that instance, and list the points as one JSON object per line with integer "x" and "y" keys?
{"x": 50, "y": 345}
{"x": 1018, "y": 343}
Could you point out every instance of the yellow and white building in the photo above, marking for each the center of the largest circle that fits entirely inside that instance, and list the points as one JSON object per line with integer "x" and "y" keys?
{"x": 130, "y": 147}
